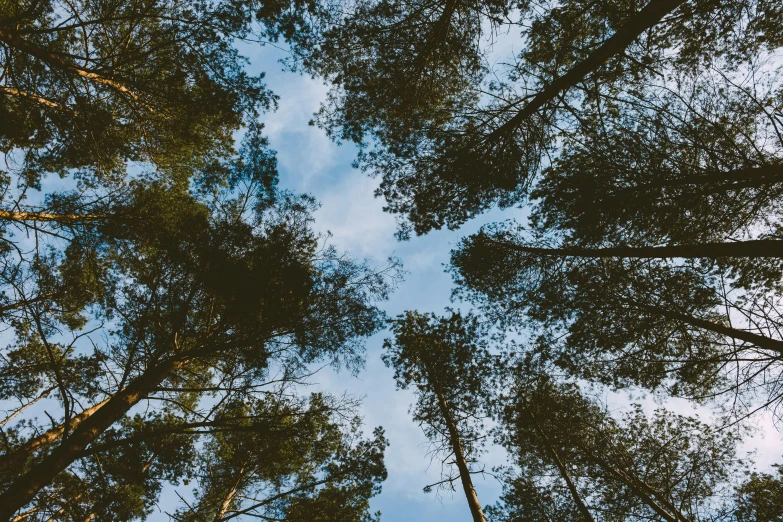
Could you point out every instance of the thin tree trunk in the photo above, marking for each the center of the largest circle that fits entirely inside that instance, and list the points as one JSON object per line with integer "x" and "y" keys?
{"x": 561, "y": 467}
{"x": 23, "y": 490}
{"x": 761, "y": 341}
{"x": 49, "y": 436}
{"x": 22, "y": 408}
{"x": 13, "y": 40}
{"x": 648, "y": 17}
{"x": 440, "y": 30}
{"x": 748, "y": 249}
{"x": 732, "y": 179}
{"x": 226, "y": 503}
{"x": 8, "y": 215}
{"x": 12, "y": 91}
{"x": 640, "y": 492}
{"x": 273, "y": 498}
{"x": 459, "y": 456}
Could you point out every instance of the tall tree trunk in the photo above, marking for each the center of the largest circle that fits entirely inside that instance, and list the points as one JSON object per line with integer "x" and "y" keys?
{"x": 26, "y": 450}
{"x": 727, "y": 180}
{"x": 22, "y": 491}
{"x": 11, "y": 39}
{"x": 649, "y": 16}
{"x": 560, "y": 466}
{"x": 459, "y": 456}
{"x": 642, "y": 490}
{"x": 8, "y": 215}
{"x": 439, "y": 32}
{"x": 748, "y": 249}
{"x": 761, "y": 341}
{"x": 226, "y": 502}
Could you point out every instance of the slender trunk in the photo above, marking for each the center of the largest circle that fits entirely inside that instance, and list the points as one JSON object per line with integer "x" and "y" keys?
{"x": 226, "y": 503}
{"x": 440, "y": 30}
{"x": 649, "y": 16}
{"x": 459, "y": 456}
{"x": 22, "y": 408}
{"x": 12, "y": 91}
{"x": 8, "y": 215}
{"x": 41, "y": 474}
{"x": 273, "y": 498}
{"x": 27, "y": 302}
{"x": 26, "y": 450}
{"x": 761, "y": 341}
{"x": 732, "y": 179}
{"x": 749, "y": 249}
{"x": 561, "y": 467}
{"x": 13, "y": 40}
{"x": 642, "y": 490}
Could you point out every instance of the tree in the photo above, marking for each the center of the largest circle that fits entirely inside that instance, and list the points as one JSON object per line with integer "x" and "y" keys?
{"x": 207, "y": 304}
{"x": 446, "y": 360}
{"x": 660, "y": 467}
{"x": 659, "y": 323}
{"x": 302, "y": 466}
{"x": 459, "y": 153}
{"x": 93, "y": 86}
{"x": 759, "y": 498}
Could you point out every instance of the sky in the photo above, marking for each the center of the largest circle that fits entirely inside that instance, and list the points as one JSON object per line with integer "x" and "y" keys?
{"x": 309, "y": 162}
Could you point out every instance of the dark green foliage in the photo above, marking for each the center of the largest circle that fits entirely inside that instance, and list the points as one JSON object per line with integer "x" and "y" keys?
{"x": 94, "y": 85}
{"x": 659, "y": 467}
{"x": 760, "y": 498}
{"x": 209, "y": 302}
{"x": 444, "y": 356}
{"x": 453, "y": 130}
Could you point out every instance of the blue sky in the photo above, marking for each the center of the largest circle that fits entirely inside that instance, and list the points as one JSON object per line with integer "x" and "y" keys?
{"x": 309, "y": 162}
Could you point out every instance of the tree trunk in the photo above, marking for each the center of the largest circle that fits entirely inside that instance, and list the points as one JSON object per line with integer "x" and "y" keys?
{"x": 8, "y": 215}
{"x": 22, "y": 491}
{"x": 561, "y": 467}
{"x": 11, "y": 39}
{"x": 26, "y": 450}
{"x": 226, "y": 503}
{"x": 732, "y": 179}
{"x": 642, "y": 490}
{"x": 24, "y": 407}
{"x": 761, "y": 341}
{"x": 650, "y": 15}
{"x": 459, "y": 456}
{"x": 748, "y": 249}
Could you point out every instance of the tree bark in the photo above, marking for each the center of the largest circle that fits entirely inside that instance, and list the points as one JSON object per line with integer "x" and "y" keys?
{"x": 49, "y": 436}
{"x": 639, "y": 491}
{"x": 22, "y": 491}
{"x": 11, "y": 39}
{"x": 648, "y": 17}
{"x": 761, "y": 341}
{"x": 459, "y": 456}
{"x": 748, "y": 249}
{"x": 226, "y": 503}
{"x": 561, "y": 467}
{"x": 45, "y": 216}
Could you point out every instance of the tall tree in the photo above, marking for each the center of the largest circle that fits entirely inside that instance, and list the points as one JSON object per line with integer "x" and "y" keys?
{"x": 446, "y": 360}
{"x": 95, "y": 85}
{"x": 210, "y": 302}
{"x": 658, "y": 323}
{"x": 660, "y": 467}
{"x": 459, "y": 153}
